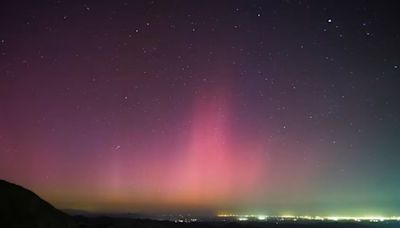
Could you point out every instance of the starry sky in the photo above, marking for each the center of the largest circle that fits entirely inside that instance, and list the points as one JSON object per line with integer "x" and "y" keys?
{"x": 160, "y": 106}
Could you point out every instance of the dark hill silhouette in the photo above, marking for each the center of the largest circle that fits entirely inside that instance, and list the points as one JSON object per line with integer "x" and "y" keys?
{"x": 20, "y": 207}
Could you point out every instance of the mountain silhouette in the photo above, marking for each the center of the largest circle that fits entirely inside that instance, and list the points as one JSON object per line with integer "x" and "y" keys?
{"x": 20, "y": 207}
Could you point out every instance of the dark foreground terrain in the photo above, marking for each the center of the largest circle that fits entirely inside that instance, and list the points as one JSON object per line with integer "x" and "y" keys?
{"x": 21, "y": 208}
{"x": 120, "y": 222}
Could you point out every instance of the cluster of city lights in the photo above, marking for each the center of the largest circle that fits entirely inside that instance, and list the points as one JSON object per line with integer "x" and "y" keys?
{"x": 311, "y": 218}
{"x": 186, "y": 220}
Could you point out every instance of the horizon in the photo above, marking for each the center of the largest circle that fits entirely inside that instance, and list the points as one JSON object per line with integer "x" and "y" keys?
{"x": 244, "y": 107}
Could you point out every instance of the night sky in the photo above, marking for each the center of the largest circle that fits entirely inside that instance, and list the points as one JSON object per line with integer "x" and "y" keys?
{"x": 161, "y": 106}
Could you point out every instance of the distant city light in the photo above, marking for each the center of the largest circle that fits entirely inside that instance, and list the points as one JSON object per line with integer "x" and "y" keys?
{"x": 261, "y": 217}
{"x": 251, "y": 217}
